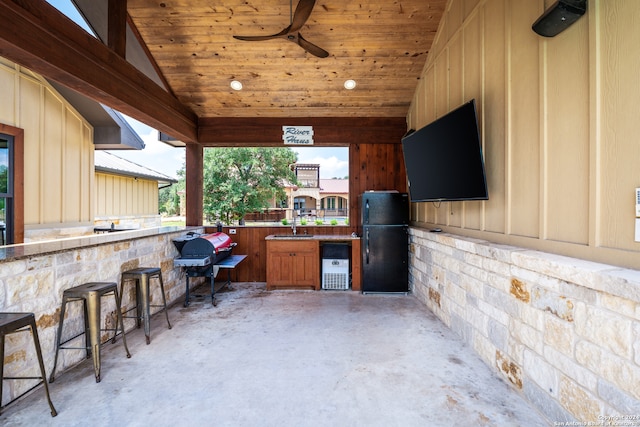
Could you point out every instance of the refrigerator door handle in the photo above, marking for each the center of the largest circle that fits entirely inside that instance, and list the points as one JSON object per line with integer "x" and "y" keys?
{"x": 367, "y": 247}
{"x": 366, "y": 212}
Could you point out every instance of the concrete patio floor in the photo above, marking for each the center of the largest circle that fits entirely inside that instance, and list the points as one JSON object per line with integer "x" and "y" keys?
{"x": 284, "y": 358}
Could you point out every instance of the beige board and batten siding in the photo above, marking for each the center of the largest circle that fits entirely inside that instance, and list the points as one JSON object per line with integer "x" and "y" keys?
{"x": 125, "y": 196}
{"x": 559, "y": 125}
{"x": 58, "y": 150}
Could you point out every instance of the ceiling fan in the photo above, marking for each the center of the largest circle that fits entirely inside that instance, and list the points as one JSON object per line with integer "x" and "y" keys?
{"x": 292, "y": 32}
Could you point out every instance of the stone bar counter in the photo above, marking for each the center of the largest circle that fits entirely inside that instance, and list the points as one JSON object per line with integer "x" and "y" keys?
{"x": 33, "y": 277}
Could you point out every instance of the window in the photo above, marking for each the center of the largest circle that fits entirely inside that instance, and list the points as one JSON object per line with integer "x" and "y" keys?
{"x": 299, "y": 203}
{"x": 6, "y": 189}
{"x": 331, "y": 202}
{"x": 12, "y": 186}
{"x": 319, "y": 171}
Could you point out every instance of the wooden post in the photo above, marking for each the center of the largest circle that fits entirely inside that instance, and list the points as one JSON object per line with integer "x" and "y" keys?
{"x": 194, "y": 156}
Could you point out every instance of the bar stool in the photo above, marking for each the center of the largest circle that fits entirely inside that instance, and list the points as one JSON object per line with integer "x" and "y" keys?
{"x": 90, "y": 294}
{"x": 142, "y": 277}
{"x": 11, "y": 323}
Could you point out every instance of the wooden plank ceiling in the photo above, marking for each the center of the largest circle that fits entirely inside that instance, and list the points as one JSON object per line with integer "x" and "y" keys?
{"x": 180, "y": 57}
{"x": 381, "y": 44}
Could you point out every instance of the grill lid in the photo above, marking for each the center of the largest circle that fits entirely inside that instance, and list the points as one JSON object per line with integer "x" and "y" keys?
{"x": 180, "y": 241}
{"x": 206, "y": 245}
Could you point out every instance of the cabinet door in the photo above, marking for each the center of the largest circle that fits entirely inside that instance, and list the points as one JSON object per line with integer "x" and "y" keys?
{"x": 292, "y": 264}
{"x": 279, "y": 269}
{"x": 305, "y": 270}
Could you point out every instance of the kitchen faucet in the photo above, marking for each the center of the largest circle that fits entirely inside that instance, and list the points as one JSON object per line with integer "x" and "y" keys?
{"x": 293, "y": 226}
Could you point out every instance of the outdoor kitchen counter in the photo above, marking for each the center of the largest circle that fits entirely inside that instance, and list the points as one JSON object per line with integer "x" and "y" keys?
{"x": 321, "y": 237}
{"x": 26, "y": 250}
{"x": 299, "y": 239}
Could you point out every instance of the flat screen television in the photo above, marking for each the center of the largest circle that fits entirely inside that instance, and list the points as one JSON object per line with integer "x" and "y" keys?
{"x": 444, "y": 159}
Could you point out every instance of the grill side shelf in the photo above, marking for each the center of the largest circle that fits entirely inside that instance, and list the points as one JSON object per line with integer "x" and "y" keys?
{"x": 191, "y": 261}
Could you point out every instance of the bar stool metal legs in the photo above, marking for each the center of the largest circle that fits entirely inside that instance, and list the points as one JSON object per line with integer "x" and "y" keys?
{"x": 90, "y": 294}
{"x": 142, "y": 276}
{"x": 20, "y": 322}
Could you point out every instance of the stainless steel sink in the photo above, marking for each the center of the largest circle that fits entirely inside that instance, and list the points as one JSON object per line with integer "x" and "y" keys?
{"x": 292, "y": 236}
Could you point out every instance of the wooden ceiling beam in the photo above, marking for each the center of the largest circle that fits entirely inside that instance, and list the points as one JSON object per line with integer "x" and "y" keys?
{"x": 328, "y": 131}
{"x": 38, "y": 37}
{"x": 117, "y": 26}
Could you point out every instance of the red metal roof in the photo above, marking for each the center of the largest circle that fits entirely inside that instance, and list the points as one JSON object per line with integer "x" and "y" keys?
{"x": 334, "y": 186}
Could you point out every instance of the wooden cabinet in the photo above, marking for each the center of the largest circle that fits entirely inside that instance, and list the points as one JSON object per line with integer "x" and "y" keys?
{"x": 293, "y": 264}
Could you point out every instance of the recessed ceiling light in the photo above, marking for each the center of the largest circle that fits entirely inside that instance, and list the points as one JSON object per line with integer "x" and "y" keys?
{"x": 236, "y": 85}
{"x": 350, "y": 84}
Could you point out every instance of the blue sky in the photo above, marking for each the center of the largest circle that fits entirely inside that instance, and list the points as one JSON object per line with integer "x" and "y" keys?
{"x": 334, "y": 162}
{"x": 4, "y": 159}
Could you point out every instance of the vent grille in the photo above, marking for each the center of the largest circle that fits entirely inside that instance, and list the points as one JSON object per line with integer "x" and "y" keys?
{"x": 335, "y": 281}
{"x": 335, "y": 274}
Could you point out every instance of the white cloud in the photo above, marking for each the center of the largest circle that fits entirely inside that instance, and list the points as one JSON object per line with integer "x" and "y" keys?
{"x": 152, "y": 145}
{"x": 331, "y": 167}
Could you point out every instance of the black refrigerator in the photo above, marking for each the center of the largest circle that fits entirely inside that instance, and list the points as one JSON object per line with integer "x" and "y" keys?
{"x": 385, "y": 241}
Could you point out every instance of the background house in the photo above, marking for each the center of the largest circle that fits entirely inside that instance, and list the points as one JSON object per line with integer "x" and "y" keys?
{"x": 334, "y": 197}
{"x": 127, "y": 193}
{"x": 315, "y": 197}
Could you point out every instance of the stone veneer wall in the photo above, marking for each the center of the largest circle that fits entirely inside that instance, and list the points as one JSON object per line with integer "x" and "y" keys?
{"x": 563, "y": 331}
{"x": 35, "y": 284}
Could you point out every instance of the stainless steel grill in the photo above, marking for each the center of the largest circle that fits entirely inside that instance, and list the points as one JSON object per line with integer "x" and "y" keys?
{"x": 199, "y": 254}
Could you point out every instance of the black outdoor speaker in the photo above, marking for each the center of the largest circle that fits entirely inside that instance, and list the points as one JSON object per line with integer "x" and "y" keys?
{"x": 559, "y": 17}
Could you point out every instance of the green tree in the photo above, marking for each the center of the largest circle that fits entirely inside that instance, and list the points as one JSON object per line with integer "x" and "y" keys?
{"x": 169, "y": 197}
{"x": 164, "y": 196}
{"x": 4, "y": 179}
{"x": 242, "y": 180}
{"x": 4, "y": 187}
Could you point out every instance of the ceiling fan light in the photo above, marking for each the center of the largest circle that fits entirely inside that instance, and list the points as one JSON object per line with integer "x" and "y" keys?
{"x": 350, "y": 84}
{"x": 236, "y": 85}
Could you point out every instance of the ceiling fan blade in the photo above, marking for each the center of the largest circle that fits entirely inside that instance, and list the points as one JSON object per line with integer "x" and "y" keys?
{"x": 302, "y": 13}
{"x": 256, "y": 38}
{"x": 260, "y": 38}
{"x": 312, "y": 48}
